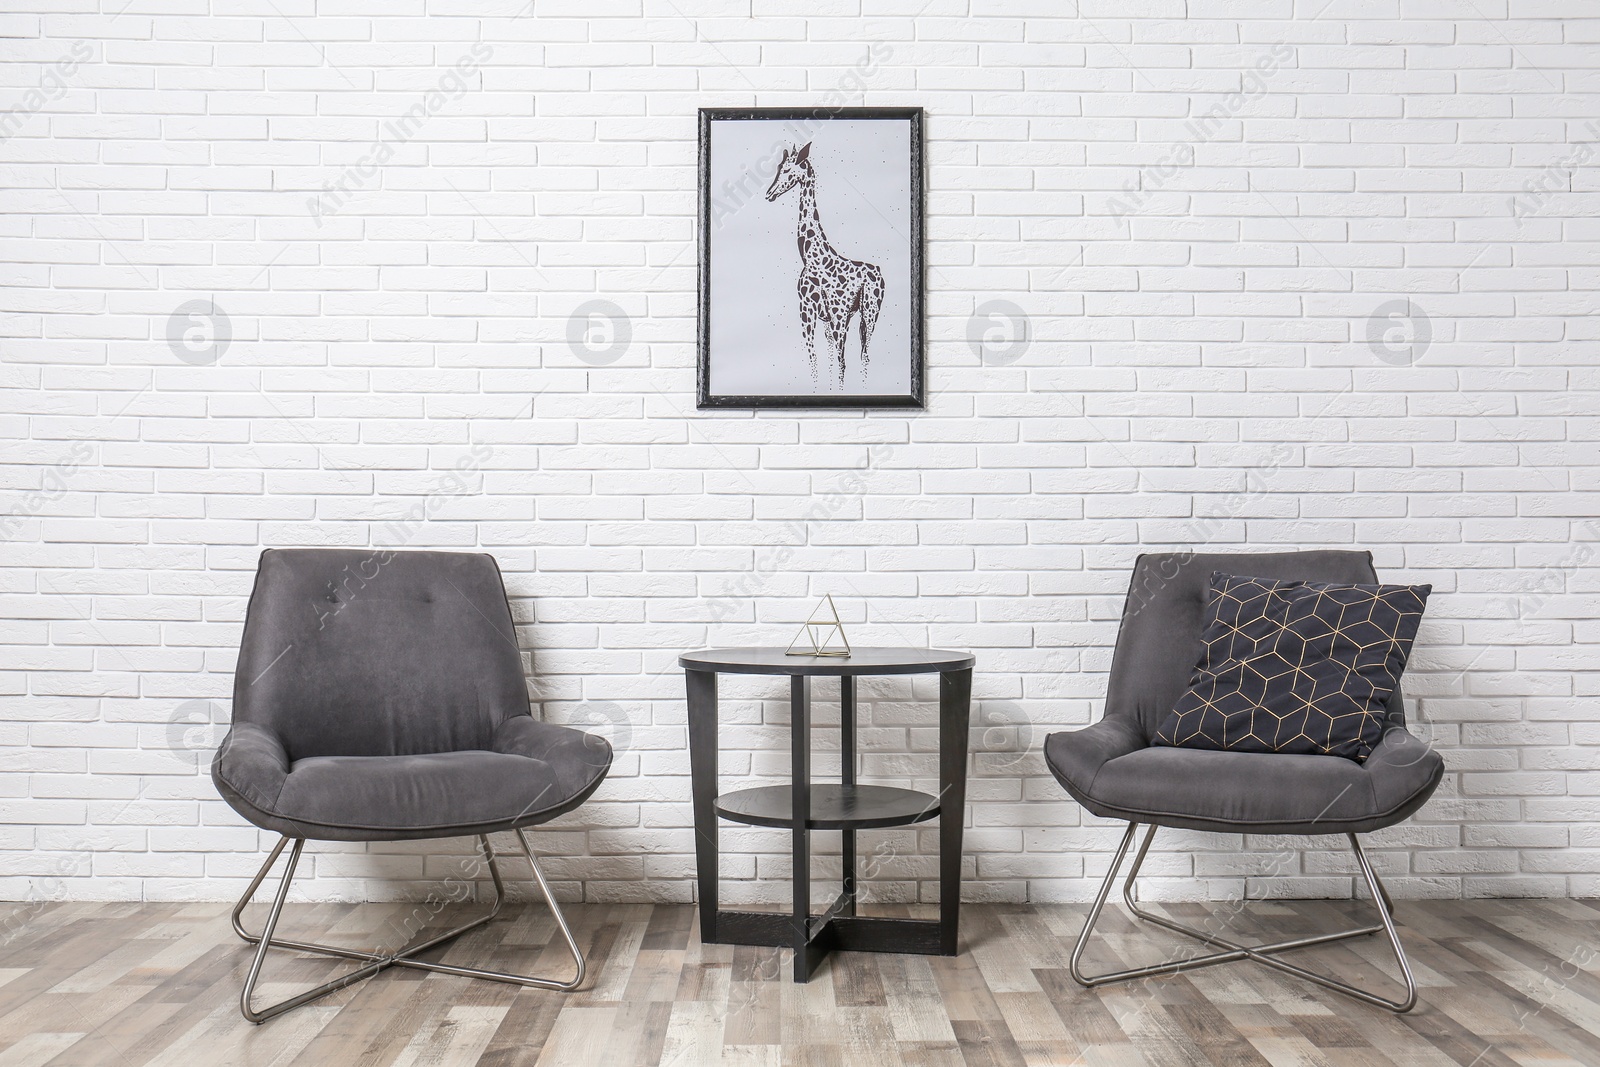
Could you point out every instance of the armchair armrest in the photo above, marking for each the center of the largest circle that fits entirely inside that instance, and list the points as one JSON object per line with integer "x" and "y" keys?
{"x": 252, "y": 764}
{"x": 579, "y": 759}
{"x": 1403, "y": 769}
{"x": 1075, "y": 758}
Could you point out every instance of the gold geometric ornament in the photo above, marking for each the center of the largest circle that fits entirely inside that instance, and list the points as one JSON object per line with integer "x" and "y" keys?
{"x": 818, "y": 631}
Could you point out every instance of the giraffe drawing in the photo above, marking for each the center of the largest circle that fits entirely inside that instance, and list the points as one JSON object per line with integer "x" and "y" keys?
{"x": 833, "y": 287}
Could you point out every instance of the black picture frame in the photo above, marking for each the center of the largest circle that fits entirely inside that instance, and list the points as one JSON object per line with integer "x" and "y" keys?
{"x": 916, "y": 396}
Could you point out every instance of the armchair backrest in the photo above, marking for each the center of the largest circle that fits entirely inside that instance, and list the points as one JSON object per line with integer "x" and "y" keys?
{"x": 372, "y": 652}
{"x": 1159, "y": 641}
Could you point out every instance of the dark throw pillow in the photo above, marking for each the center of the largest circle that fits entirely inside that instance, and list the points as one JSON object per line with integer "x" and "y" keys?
{"x": 1302, "y": 667}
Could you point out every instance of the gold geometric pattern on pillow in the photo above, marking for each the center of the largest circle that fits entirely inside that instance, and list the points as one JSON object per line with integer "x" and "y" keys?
{"x": 1303, "y": 667}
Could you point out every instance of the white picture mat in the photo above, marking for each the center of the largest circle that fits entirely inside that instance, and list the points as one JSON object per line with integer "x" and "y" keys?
{"x": 863, "y": 190}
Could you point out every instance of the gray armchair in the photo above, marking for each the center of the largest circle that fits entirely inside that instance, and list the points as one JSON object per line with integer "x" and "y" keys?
{"x": 1111, "y": 769}
{"x": 379, "y": 696}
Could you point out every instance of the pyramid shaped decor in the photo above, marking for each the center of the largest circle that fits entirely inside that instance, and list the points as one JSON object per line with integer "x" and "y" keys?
{"x": 818, "y": 633}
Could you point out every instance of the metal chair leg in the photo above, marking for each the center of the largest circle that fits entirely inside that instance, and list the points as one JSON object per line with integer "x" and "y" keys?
{"x": 1380, "y": 897}
{"x": 1230, "y": 950}
{"x": 377, "y": 961}
{"x": 561, "y": 920}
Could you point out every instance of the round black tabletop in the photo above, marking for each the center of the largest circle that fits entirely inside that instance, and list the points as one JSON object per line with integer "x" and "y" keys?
{"x": 860, "y": 661}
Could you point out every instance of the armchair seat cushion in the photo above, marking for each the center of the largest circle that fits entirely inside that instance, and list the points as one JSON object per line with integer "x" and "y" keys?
{"x": 535, "y": 772}
{"x": 1115, "y": 776}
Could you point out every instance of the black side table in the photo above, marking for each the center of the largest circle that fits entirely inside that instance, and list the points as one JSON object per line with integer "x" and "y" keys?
{"x": 849, "y": 807}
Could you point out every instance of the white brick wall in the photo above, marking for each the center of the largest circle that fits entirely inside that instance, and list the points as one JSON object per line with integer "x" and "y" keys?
{"x": 1201, "y": 210}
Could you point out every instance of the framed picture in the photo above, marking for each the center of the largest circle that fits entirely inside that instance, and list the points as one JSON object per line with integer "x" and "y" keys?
{"x": 811, "y": 291}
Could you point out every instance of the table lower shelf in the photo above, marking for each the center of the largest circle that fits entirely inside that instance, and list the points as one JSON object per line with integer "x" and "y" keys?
{"x": 833, "y": 807}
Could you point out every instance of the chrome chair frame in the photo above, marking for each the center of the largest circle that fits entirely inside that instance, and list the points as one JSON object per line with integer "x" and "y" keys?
{"x": 1232, "y": 951}
{"x": 378, "y": 961}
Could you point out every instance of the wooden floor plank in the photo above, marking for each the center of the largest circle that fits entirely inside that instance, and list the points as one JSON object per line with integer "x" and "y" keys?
{"x": 1504, "y": 983}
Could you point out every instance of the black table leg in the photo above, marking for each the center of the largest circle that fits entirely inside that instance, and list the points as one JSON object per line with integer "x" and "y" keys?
{"x": 955, "y": 705}
{"x": 806, "y": 954}
{"x": 847, "y": 776}
{"x": 703, "y": 777}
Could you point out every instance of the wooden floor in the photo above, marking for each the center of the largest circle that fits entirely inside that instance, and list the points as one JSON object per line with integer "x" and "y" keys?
{"x": 1503, "y": 983}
